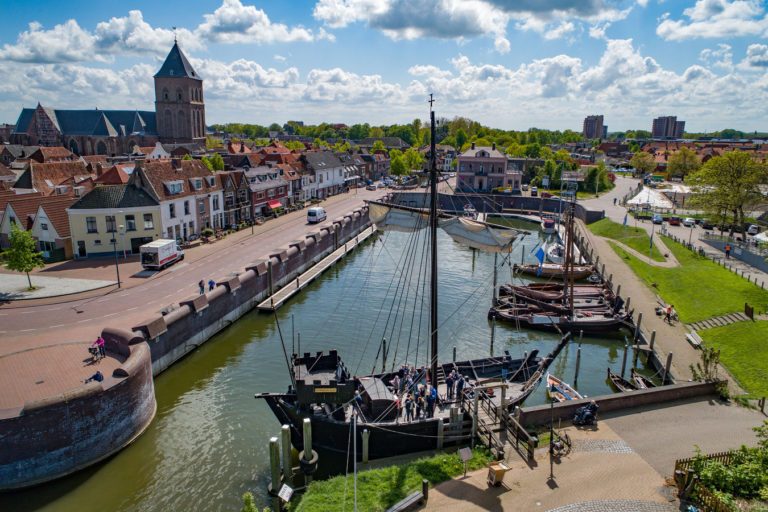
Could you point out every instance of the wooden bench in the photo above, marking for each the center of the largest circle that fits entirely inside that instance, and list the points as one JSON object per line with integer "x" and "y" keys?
{"x": 410, "y": 502}
{"x": 694, "y": 339}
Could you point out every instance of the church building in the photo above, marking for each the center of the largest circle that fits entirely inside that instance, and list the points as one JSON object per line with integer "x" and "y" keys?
{"x": 178, "y": 118}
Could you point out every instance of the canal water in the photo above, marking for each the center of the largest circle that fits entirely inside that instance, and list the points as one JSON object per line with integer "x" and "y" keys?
{"x": 209, "y": 441}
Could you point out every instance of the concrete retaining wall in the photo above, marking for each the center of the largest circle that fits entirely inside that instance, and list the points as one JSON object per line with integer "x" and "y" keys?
{"x": 197, "y": 319}
{"x": 540, "y": 414}
{"x": 493, "y": 203}
{"x": 62, "y": 434}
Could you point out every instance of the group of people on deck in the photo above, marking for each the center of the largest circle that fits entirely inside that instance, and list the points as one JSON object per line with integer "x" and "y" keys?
{"x": 417, "y": 398}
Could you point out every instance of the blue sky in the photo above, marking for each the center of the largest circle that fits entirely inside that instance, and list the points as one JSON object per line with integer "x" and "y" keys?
{"x": 509, "y": 64}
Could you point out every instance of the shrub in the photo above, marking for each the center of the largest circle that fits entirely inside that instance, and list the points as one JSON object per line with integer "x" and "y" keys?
{"x": 207, "y": 232}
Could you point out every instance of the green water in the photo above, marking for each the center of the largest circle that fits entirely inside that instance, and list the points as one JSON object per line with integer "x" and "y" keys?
{"x": 208, "y": 442}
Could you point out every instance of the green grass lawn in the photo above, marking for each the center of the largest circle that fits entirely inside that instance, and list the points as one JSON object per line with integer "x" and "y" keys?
{"x": 744, "y": 351}
{"x": 636, "y": 238}
{"x": 379, "y": 489}
{"x": 699, "y": 288}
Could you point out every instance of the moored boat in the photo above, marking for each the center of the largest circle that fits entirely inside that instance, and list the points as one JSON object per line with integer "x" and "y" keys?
{"x": 620, "y": 383}
{"x": 555, "y": 253}
{"x": 641, "y": 381}
{"x": 554, "y": 270}
{"x": 548, "y": 225}
{"x": 561, "y": 391}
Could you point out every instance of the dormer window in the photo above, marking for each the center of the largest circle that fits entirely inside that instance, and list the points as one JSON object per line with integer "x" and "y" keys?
{"x": 175, "y": 187}
{"x": 61, "y": 189}
{"x": 211, "y": 180}
{"x": 197, "y": 183}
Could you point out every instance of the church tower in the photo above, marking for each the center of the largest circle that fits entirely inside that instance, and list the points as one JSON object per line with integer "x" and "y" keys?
{"x": 179, "y": 105}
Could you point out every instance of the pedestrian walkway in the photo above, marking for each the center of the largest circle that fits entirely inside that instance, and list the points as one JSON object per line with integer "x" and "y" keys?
{"x": 14, "y": 286}
{"x": 719, "y": 321}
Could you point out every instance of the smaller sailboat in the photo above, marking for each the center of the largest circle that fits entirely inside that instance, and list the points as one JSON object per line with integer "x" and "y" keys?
{"x": 548, "y": 225}
{"x": 641, "y": 381}
{"x": 555, "y": 253}
{"x": 620, "y": 383}
{"x": 561, "y": 391}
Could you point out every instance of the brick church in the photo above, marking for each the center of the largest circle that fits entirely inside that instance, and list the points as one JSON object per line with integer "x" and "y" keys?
{"x": 179, "y": 117}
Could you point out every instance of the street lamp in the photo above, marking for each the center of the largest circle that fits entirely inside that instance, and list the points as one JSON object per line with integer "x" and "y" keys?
{"x": 122, "y": 235}
{"x": 114, "y": 248}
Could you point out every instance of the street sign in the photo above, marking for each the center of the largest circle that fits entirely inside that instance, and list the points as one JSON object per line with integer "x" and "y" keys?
{"x": 572, "y": 176}
{"x": 285, "y": 493}
{"x": 465, "y": 454}
{"x": 545, "y": 182}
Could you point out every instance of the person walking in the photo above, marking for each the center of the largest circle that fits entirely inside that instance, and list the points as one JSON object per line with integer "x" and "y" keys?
{"x": 727, "y": 251}
{"x": 100, "y": 346}
{"x": 201, "y": 285}
{"x": 614, "y": 201}
{"x": 211, "y": 285}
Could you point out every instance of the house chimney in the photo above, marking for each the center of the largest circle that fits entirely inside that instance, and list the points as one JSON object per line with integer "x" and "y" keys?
{"x": 242, "y": 147}
{"x": 99, "y": 169}
{"x": 176, "y": 164}
{"x": 473, "y": 145}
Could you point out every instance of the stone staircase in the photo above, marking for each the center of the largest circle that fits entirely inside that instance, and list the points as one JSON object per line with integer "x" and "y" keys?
{"x": 719, "y": 321}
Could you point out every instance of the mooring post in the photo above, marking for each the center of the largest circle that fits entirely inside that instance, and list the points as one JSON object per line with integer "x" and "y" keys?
{"x": 503, "y": 406}
{"x": 269, "y": 275}
{"x": 425, "y": 489}
{"x": 578, "y": 364}
{"x": 274, "y": 466}
{"x": 603, "y": 272}
{"x": 493, "y": 333}
{"x": 285, "y": 444}
{"x": 474, "y": 417}
{"x": 636, "y": 352}
{"x": 666, "y": 369}
{"x": 626, "y": 306}
{"x": 440, "y": 435}
{"x": 637, "y": 325}
{"x": 624, "y": 360}
{"x": 653, "y": 341}
{"x": 366, "y": 435}
{"x": 610, "y": 281}
{"x": 581, "y": 335}
{"x": 618, "y": 291}
{"x": 307, "y": 437}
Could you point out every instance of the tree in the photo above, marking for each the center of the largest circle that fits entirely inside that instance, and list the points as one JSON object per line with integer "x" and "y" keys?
{"x": 413, "y": 159}
{"x": 207, "y": 162}
{"x": 397, "y": 164}
{"x": 461, "y": 138}
{"x": 643, "y": 162}
{"x": 376, "y": 132}
{"x": 730, "y": 183}
{"x": 294, "y": 145}
{"x": 217, "y": 162}
{"x": 683, "y": 162}
{"x": 22, "y": 256}
{"x": 378, "y": 146}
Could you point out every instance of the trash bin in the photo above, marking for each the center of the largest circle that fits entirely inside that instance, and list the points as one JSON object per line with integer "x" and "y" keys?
{"x": 496, "y": 472}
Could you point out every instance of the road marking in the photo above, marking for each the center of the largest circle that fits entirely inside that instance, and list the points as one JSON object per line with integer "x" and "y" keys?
{"x": 28, "y": 312}
{"x": 102, "y": 300}
{"x": 111, "y": 314}
{"x": 57, "y": 325}
{"x": 131, "y": 309}
{"x": 84, "y": 320}
{"x": 27, "y": 330}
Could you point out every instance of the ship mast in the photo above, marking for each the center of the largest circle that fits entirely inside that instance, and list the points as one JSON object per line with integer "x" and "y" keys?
{"x": 433, "y": 247}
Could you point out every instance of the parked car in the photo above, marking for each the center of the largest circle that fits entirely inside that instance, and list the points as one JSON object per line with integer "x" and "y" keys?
{"x": 370, "y": 187}
{"x": 525, "y": 186}
{"x": 316, "y": 214}
{"x": 657, "y": 218}
{"x": 674, "y": 221}
{"x": 753, "y": 229}
{"x": 707, "y": 224}
{"x": 534, "y": 192}
{"x": 689, "y": 222}
{"x": 546, "y": 195}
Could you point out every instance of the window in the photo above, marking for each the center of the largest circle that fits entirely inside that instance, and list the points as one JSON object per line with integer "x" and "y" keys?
{"x": 13, "y": 220}
{"x": 339, "y": 172}
{"x": 271, "y": 192}
{"x": 201, "y": 206}
{"x": 186, "y": 207}
{"x": 111, "y": 224}
{"x": 97, "y": 242}
{"x": 215, "y": 202}
{"x": 79, "y": 191}
{"x": 197, "y": 183}
{"x": 130, "y": 223}
{"x": 321, "y": 178}
{"x": 211, "y": 180}
{"x": 281, "y": 190}
{"x": 44, "y": 226}
{"x": 149, "y": 223}
{"x": 260, "y": 195}
{"x": 90, "y": 224}
{"x": 175, "y": 187}
{"x": 172, "y": 210}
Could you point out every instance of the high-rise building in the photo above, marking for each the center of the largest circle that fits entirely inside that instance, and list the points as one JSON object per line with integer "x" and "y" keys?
{"x": 667, "y": 127}
{"x": 593, "y": 127}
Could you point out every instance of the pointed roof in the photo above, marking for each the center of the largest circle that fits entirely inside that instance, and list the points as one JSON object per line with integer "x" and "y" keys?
{"x": 176, "y": 65}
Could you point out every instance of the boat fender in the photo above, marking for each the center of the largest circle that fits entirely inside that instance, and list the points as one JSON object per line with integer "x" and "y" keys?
{"x": 588, "y": 314}
{"x": 308, "y": 466}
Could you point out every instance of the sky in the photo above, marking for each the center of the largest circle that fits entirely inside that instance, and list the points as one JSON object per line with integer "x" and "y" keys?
{"x": 511, "y": 64}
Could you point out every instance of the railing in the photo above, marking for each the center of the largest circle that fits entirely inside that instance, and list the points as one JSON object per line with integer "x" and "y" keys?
{"x": 520, "y": 435}
{"x": 690, "y": 486}
{"x": 686, "y": 464}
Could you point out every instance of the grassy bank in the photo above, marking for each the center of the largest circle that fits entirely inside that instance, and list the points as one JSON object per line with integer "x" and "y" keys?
{"x": 698, "y": 288}
{"x": 379, "y": 489}
{"x": 744, "y": 351}
{"x": 636, "y": 238}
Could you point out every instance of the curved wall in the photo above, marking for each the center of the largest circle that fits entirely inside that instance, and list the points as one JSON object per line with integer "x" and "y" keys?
{"x": 61, "y": 434}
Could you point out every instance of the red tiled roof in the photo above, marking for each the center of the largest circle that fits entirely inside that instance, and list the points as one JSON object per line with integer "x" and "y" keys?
{"x": 25, "y": 206}
{"x": 45, "y": 177}
{"x": 115, "y": 175}
{"x": 94, "y": 159}
{"x": 51, "y": 154}
{"x": 56, "y": 210}
{"x": 160, "y": 173}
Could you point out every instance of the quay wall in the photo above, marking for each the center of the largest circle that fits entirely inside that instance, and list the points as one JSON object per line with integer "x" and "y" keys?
{"x": 541, "y": 414}
{"x": 492, "y": 203}
{"x": 61, "y": 434}
{"x": 173, "y": 335}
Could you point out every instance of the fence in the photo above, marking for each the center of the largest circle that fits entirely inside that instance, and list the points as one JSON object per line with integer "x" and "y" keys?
{"x": 689, "y": 485}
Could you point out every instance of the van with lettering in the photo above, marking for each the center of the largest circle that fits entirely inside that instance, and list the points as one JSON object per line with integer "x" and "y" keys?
{"x": 316, "y": 214}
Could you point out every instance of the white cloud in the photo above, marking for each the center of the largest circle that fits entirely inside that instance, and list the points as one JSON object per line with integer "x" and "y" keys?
{"x": 716, "y": 19}
{"x": 66, "y": 42}
{"x": 757, "y": 56}
{"x": 131, "y": 34}
{"x": 279, "y": 58}
{"x": 234, "y": 22}
{"x": 720, "y": 57}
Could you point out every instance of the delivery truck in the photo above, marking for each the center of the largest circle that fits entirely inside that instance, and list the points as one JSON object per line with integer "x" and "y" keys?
{"x": 158, "y": 254}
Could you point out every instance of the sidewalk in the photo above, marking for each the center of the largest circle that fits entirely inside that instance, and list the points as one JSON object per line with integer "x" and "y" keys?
{"x": 14, "y": 286}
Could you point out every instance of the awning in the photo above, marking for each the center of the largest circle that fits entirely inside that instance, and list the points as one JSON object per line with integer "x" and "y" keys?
{"x": 275, "y": 204}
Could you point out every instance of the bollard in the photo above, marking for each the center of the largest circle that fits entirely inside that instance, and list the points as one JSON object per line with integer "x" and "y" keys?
{"x": 578, "y": 364}
{"x": 603, "y": 271}
{"x": 425, "y": 489}
{"x": 274, "y": 466}
{"x": 618, "y": 291}
{"x": 624, "y": 360}
{"x": 666, "y": 369}
{"x": 626, "y": 305}
{"x": 307, "y": 437}
{"x": 269, "y": 276}
{"x": 637, "y": 325}
{"x": 474, "y": 417}
{"x": 285, "y": 444}
{"x": 366, "y": 435}
{"x": 610, "y": 282}
{"x": 653, "y": 340}
{"x": 440, "y": 436}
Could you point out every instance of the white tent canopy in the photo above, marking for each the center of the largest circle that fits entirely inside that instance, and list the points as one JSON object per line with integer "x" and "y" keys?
{"x": 652, "y": 198}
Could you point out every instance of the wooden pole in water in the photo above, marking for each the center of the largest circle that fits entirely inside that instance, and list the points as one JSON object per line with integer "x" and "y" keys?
{"x": 578, "y": 364}
{"x": 618, "y": 291}
{"x": 269, "y": 275}
{"x": 493, "y": 333}
{"x": 653, "y": 340}
{"x": 274, "y": 466}
{"x": 626, "y": 305}
{"x": 624, "y": 360}
{"x": 637, "y": 325}
{"x": 285, "y": 445}
{"x": 495, "y": 278}
{"x": 666, "y": 369}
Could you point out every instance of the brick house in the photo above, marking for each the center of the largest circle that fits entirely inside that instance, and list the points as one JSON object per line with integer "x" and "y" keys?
{"x": 269, "y": 189}
{"x": 237, "y": 197}
{"x": 483, "y": 169}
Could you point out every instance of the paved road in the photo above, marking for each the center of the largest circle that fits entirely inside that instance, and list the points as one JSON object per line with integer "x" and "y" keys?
{"x": 26, "y": 327}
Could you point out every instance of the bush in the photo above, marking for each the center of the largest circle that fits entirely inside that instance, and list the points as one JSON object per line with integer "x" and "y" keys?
{"x": 206, "y": 232}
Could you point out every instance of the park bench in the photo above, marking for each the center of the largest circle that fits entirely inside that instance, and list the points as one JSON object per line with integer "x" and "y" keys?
{"x": 410, "y": 502}
{"x": 694, "y": 339}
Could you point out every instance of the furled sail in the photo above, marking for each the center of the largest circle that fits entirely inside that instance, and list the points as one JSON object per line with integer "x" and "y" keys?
{"x": 395, "y": 219}
{"x": 478, "y": 235}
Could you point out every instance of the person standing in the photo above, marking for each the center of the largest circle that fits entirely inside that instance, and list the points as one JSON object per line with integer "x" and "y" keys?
{"x": 449, "y": 386}
{"x": 201, "y": 285}
{"x": 430, "y": 403}
{"x": 211, "y": 285}
{"x": 100, "y": 345}
{"x": 408, "y": 408}
{"x": 727, "y": 251}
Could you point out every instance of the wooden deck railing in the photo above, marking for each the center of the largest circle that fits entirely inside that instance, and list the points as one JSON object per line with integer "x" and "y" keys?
{"x": 691, "y": 488}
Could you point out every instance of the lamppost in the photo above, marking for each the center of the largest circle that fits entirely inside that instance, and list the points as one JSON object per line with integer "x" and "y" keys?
{"x": 114, "y": 247}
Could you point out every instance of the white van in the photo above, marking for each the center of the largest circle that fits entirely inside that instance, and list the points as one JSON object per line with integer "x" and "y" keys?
{"x": 316, "y": 214}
